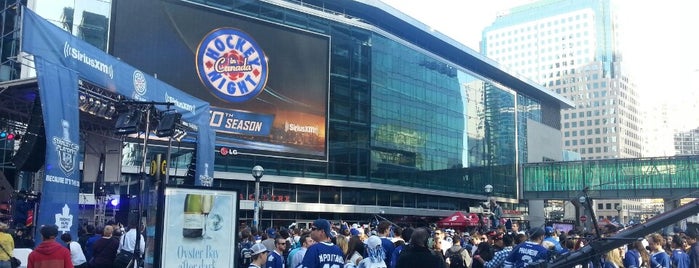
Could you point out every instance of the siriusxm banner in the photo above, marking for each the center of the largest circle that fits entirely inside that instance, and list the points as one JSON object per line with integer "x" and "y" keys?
{"x": 61, "y": 188}
{"x": 56, "y": 46}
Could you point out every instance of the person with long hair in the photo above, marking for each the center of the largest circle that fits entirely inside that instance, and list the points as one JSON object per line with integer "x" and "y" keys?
{"x": 612, "y": 259}
{"x": 679, "y": 258}
{"x": 636, "y": 255}
{"x": 341, "y": 241}
{"x": 355, "y": 247}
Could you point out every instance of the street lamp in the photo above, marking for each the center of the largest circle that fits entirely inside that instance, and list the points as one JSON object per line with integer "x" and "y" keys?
{"x": 618, "y": 210}
{"x": 488, "y": 190}
{"x": 257, "y": 172}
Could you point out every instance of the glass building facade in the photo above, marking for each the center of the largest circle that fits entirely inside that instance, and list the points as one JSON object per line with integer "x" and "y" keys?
{"x": 418, "y": 124}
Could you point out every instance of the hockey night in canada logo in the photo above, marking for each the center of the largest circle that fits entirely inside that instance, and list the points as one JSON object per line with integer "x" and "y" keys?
{"x": 232, "y": 65}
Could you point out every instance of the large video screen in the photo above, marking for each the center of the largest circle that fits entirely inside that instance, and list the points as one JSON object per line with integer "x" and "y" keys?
{"x": 267, "y": 83}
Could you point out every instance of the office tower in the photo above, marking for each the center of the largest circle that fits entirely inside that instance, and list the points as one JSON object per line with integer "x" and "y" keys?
{"x": 687, "y": 142}
{"x": 570, "y": 47}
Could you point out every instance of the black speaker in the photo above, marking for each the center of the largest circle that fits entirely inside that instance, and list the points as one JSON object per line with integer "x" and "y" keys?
{"x": 167, "y": 123}
{"x": 128, "y": 122}
{"x": 127, "y": 205}
{"x": 31, "y": 154}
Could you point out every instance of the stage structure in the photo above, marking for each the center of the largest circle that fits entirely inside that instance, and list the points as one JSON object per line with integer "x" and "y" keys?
{"x": 61, "y": 61}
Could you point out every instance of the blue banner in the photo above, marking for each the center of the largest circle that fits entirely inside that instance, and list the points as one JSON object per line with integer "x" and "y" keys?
{"x": 241, "y": 122}
{"x": 56, "y": 46}
{"x": 61, "y": 187}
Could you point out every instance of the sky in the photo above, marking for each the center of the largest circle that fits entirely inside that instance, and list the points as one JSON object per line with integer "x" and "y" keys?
{"x": 658, "y": 40}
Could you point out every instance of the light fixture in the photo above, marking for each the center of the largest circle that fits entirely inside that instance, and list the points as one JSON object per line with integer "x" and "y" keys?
{"x": 97, "y": 101}
{"x": 167, "y": 123}
{"x": 7, "y": 135}
{"x": 128, "y": 122}
{"x": 488, "y": 189}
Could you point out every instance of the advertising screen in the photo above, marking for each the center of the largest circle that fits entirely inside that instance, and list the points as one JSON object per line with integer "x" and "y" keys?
{"x": 197, "y": 228}
{"x": 267, "y": 83}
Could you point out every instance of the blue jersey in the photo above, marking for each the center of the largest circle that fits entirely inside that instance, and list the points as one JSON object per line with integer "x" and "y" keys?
{"x": 632, "y": 259}
{"x": 679, "y": 259}
{"x": 388, "y": 248}
{"x": 275, "y": 260}
{"x": 323, "y": 255}
{"x": 526, "y": 253}
{"x": 659, "y": 259}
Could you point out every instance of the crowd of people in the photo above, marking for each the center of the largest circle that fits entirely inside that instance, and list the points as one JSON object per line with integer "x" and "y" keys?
{"x": 390, "y": 246}
{"x": 95, "y": 247}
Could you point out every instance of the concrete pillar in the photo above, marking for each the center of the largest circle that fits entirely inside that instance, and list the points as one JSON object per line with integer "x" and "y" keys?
{"x": 670, "y": 204}
{"x": 536, "y": 213}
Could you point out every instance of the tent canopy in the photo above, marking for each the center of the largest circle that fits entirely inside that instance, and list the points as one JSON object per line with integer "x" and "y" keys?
{"x": 459, "y": 220}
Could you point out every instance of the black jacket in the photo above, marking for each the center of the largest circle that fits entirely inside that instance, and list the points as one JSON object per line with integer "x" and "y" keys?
{"x": 419, "y": 257}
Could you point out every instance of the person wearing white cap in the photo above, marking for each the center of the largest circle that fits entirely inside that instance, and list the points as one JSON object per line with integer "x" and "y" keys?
{"x": 259, "y": 256}
{"x": 375, "y": 254}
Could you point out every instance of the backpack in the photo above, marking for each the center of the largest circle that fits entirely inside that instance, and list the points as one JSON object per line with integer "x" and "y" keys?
{"x": 245, "y": 254}
{"x": 455, "y": 259}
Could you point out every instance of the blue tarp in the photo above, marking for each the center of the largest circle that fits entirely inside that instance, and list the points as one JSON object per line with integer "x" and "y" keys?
{"x": 61, "y": 59}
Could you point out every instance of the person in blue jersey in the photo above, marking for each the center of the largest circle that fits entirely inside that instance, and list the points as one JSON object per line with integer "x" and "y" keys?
{"x": 276, "y": 258}
{"x": 405, "y": 234}
{"x": 552, "y": 237}
{"x": 658, "y": 256}
{"x": 693, "y": 242}
{"x": 383, "y": 230}
{"x": 632, "y": 257}
{"x": 528, "y": 252}
{"x": 322, "y": 254}
{"x": 679, "y": 258}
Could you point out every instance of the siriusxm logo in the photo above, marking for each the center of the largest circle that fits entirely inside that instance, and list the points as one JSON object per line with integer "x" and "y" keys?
{"x": 71, "y": 52}
{"x": 291, "y": 127}
{"x": 232, "y": 65}
{"x": 185, "y": 106}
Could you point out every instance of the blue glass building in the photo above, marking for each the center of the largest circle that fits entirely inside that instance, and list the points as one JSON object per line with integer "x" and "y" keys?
{"x": 417, "y": 124}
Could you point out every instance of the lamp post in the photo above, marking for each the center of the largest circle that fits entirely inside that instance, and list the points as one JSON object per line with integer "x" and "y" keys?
{"x": 618, "y": 210}
{"x": 257, "y": 172}
{"x": 488, "y": 192}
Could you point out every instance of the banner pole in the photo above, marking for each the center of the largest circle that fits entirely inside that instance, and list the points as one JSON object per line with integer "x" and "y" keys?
{"x": 142, "y": 178}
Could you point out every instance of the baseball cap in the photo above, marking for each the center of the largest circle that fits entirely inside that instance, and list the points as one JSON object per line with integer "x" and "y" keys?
{"x": 373, "y": 241}
{"x": 549, "y": 230}
{"x": 354, "y": 231}
{"x": 323, "y": 224}
{"x": 536, "y": 232}
{"x": 270, "y": 232}
{"x": 258, "y": 248}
